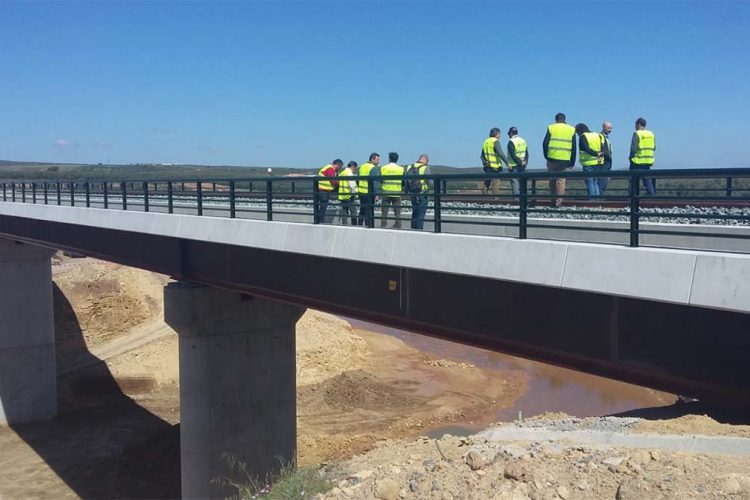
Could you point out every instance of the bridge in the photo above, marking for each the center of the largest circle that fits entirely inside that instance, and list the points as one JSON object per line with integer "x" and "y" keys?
{"x": 674, "y": 319}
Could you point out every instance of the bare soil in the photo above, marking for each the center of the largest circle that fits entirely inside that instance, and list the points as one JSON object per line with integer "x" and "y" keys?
{"x": 117, "y": 435}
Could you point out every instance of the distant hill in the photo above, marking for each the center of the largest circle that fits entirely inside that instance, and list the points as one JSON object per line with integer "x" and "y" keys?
{"x": 67, "y": 171}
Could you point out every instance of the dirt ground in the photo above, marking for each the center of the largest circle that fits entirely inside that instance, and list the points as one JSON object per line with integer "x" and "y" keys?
{"x": 474, "y": 467}
{"x": 117, "y": 434}
{"x": 368, "y": 405}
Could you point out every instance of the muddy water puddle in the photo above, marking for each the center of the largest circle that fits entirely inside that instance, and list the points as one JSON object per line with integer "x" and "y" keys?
{"x": 550, "y": 389}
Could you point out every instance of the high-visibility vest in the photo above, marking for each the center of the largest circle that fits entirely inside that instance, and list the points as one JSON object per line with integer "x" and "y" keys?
{"x": 520, "y": 146}
{"x": 595, "y": 144}
{"x": 345, "y": 192}
{"x": 392, "y": 187}
{"x": 364, "y": 170}
{"x": 560, "y": 141}
{"x": 489, "y": 153}
{"x": 644, "y": 155}
{"x": 324, "y": 184}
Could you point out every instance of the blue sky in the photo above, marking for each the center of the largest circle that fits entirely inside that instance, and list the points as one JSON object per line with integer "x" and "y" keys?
{"x": 300, "y": 83}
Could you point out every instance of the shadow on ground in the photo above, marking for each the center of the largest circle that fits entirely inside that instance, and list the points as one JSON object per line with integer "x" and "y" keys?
{"x": 102, "y": 444}
{"x": 720, "y": 414}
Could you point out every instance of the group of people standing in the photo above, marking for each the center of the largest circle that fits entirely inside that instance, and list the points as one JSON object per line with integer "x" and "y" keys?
{"x": 559, "y": 147}
{"x": 364, "y": 193}
{"x": 358, "y": 198}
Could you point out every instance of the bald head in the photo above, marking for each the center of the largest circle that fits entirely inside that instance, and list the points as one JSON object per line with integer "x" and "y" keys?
{"x": 606, "y": 127}
{"x": 424, "y": 159}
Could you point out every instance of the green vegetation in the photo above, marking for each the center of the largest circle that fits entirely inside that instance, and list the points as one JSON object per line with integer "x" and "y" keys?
{"x": 288, "y": 484}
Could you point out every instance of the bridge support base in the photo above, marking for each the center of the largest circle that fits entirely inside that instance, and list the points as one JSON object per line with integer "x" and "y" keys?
{"x": 28, "y": 378}
{"x": 237, "y": 384}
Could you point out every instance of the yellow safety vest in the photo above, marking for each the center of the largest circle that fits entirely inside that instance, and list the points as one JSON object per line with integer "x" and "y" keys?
{"x": 325, "y": 185}
{"x": 391, "y": 187}
{"x": 520, "y": 146}
{"x": 644, "y": 155}
{"x": 560, "y": 141}
{"x": 363, "y": 184}
{"x": 595, "y": 144}
{"x": 489, "y": 153}
{"x": 345, "y": 193}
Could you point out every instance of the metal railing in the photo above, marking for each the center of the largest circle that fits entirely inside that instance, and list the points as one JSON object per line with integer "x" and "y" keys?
{"x": 457, "y": 203}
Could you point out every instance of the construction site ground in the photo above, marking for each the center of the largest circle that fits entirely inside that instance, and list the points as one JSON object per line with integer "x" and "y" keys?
{"x": 372, "y": 411}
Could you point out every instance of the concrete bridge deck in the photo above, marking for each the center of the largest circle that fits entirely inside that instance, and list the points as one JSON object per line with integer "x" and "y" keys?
{"x": 675, "y": 320}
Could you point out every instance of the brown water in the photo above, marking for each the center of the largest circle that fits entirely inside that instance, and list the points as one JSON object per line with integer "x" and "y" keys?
{"x": 551, "y": 389}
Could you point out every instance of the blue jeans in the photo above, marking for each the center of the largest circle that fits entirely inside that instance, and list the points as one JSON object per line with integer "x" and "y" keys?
{"x": 647, "y": 182}
{"x": 418, "y": 211}
{"x": 592, "y": 183}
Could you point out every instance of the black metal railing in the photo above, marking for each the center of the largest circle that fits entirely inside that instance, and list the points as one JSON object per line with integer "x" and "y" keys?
{"x": 455, "y": 203}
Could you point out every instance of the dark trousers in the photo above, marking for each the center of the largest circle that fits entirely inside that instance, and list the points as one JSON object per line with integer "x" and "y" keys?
{"x": 321, "y": 206}
{"x": 647, "y": 182}
{"x": 604, "y": 181}
{"x": 366, "y": 210}
{"x": 418, "y": 211}
{"x": 348, "y": 211}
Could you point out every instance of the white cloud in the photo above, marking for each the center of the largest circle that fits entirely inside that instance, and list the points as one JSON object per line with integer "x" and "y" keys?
{"x": 65, "y": 143}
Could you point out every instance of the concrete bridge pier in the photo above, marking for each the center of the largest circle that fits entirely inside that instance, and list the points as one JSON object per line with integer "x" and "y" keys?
{"x": 28, "y": 376}
{"x": 237, "y": 383}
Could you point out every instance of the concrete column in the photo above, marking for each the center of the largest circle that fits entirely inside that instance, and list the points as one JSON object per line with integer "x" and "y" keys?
{"x": 237, "y": 383}
{"x": 28, "y": 377}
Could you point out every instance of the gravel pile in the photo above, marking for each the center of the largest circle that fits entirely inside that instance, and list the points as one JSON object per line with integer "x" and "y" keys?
{"x": 609, "y": 424}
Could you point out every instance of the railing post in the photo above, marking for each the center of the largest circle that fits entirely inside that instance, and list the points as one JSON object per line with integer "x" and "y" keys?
{"x": 182, "y": 186}
{"x": 105, "y": 192}
{"x": 46, "y": 193}
{"x": 523, "y": 205}
{"x": 269, "y": 200}
{"x": 199, "y": 191}
{"x": 23, "y": 192}
{"x": 72, "y": 194}
{"x": 33, "y": 192}
{"x": 213, "y": 187}
{"x": 533, "y": 187}
{"x": 124, "y": 191}
{"x": 58, "y": 190}
{"x": 5, "y": 194}
{"x": 729, "y": 187}
{"x": 232, "y": 205}
{"x": 634, "y": 208}
{"x": 292, "y": 186}
{"x": 145, "y": 196}
{"x": 170, "y": 202}
{"x": 438, "y": 195}
{"x": 371, "y": 194}
{"x": 316, "y": 203}
{"x": 87, "y": 188}
{"x": 13, "y": 191}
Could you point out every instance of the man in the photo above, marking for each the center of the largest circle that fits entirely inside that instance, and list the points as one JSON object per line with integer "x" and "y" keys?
{"x": 560, "y": 153}
{"x": 590, "y": 146}
{"x": 492, "y": 159}
{"x": 419, "y": 197}
{"x": 642, "y": 149}
{"x": 607, "y": 155}
{"x": 348, "y": 193}
{"x": 366, "y": 198}
{"x": 518, "y": 156}
{"x": 326, "y": 185}
{"x": 391, "y": 189}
